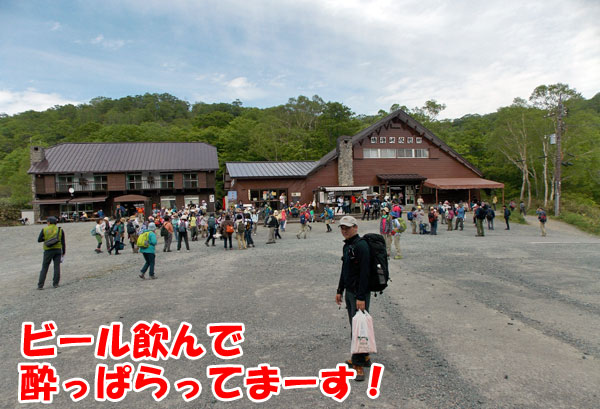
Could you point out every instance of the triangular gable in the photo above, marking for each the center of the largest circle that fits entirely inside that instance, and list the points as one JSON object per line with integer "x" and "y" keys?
{"x": 412, "y": 123}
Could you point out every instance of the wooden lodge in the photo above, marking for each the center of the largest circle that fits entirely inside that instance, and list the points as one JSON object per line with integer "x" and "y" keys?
{"x": 397, "y": 156}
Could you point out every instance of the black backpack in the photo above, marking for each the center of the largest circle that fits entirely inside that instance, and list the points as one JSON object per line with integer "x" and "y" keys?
{"x": 130, "y": 228}
{"x": 379, "y": 275}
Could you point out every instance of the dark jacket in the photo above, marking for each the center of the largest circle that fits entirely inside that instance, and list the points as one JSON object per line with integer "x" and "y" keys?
{"x": 355, "y": 268}
{"x": 272, "y": 222}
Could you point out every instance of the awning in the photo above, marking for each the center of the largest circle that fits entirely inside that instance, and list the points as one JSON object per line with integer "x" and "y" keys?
{"x": 463, "y": 183}
{"x": 402, "y": 177}
{"x": 80, "y": 200}
{"x": 131, "y": 198}
{"x": 344, "y": 188}
{"x": 49, "y": 201}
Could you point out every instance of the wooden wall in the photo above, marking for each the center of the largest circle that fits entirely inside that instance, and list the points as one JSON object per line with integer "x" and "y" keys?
{"x": 116, "y": 181}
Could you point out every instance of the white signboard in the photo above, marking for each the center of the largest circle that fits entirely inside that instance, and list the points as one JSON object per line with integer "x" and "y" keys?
{"x": 211, "y": 198}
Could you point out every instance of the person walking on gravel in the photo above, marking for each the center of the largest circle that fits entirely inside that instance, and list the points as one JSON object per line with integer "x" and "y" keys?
{"x": 541, "y": 214}
{"x": 304, "y": 218}
{"x": 168, "y": 235}
{"x": 53, "y": 238}
{"x": 354, "y": 282}
{"x": 506, "y": 212}
{"x": 272, "y": 224}
{"x": 99, "y": 232}
{"x": 149, "y": 252}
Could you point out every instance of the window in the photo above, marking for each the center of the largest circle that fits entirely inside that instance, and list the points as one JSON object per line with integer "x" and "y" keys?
{"x": 421, "y": 153}
{"x": 382, "y": 139}
{"x": 64, "y": 182}
{"x": 392, "y": 139}
{"x": 405, "y": 153}
{"x": 100, "y": 182}
{"x": 387, "y": 153}
{"x": 370, "y": 153}
{"x": 409, "y": 139}
{"x": 190, "y": 180}
{"x": 401, "y": 139}
{"x": 166, "y": 181}
{"x": 419, "y": 139}
{"x": 168, "y": 202}
{"x": 373, "y": 139}
{"x": 134, "y": 181}
{"x": 255, "y": 195}
{"x": 191, "y": 200}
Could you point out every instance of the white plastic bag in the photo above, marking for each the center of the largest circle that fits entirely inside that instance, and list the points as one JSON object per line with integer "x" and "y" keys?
{"x": 363, "y": 336}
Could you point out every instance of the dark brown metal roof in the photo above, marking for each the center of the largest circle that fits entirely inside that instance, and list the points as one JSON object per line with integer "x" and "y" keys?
{"x": 410, "y": 122}
{"x": 401, "y": 177}
{"x": 127, "y": 157}
{"x": 269, "y": 169}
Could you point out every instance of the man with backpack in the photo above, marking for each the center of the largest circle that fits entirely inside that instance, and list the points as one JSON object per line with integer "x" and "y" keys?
{"x": 248, "y": 232}
{"x": 386, "y": 229}
{"x": 272, "y": 224}
{"x": 240, "y": 231}
{"x": 412, "y": 219}
{"x": 367, "y": 209}
{"x": 53, "y": 238}
{"x": 432, "y": 217}
{"x": 543, "y": 219}
{"x": 146, "y": 243}
{"x": 304, "y": 218}
{"x": 167, "y": 232}
{"x": 132, "y": 233}
{"x": 354, "y": 282}
{"x": 182, "y": 230}
{"x": 212, "y": 229}
{"x": 398, "y": 227}
{"x": 480, "y": 214}
{"x": 490, "y": 215}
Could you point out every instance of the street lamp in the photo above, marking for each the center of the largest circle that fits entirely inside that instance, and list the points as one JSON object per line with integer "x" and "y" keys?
{"x": 71, "y": 191}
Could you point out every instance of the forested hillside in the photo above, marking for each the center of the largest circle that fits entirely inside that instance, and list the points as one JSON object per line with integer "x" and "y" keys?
{"x": 510, "y": 145}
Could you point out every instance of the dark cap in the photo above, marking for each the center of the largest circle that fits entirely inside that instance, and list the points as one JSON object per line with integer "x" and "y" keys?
{"x": 52, "y": 220}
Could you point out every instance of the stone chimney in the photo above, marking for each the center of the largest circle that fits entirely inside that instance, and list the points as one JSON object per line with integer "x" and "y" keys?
{"x": 37, "y": 154}
{"x": 345, "y": 164}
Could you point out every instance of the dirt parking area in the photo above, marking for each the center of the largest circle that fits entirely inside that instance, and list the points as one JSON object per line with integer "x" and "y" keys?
{"x": 510, "y": 320}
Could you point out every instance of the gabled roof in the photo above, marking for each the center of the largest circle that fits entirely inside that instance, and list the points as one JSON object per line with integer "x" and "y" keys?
{"x": 127, "y": 157}
{"x": 257, "y": 170}
{"x": 410, "y": 122}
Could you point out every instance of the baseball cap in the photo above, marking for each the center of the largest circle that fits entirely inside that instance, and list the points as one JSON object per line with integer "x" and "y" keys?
{"x": 348, "y": 221}
{"x": 52, "y": 220}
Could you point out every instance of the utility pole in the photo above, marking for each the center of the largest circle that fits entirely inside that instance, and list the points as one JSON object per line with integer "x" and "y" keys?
{"x": 558, "y": 164}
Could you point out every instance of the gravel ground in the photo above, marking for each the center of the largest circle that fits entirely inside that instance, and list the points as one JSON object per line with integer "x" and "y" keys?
{"x": 511, "y": 320}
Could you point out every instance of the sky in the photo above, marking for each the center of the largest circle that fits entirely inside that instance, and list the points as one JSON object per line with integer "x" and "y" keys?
{"x": 473, "y": 56}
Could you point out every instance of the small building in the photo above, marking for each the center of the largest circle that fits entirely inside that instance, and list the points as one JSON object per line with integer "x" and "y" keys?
{"x": 77, "y": 177}
{"x": 397, "y": 156}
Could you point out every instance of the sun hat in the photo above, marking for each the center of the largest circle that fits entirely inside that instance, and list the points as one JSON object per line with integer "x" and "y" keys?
{"x": 348, "y": 221}
{"x": 151, "y": 226}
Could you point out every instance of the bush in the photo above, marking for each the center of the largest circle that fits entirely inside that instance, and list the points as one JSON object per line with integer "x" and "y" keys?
{"x": 9, "y": 213}
{"x": 581, "y": 212}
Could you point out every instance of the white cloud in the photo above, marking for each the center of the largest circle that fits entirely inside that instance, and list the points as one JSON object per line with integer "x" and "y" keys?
{"x": 241, "y": 88}
{"x": 55, "y": 26}
{"x": 108, "y": 44}
{"x": 15, "y": 102}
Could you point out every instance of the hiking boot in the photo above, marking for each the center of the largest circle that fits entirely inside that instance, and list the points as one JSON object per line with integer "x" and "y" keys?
{"x": 360, "y": 373}
{"x": 55, "y": 285}
{"x": 142, "y": 276}
{"x": 206, "y": 244}
{"x": 153, "y": 277}
{"x": 40, "y": 288}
